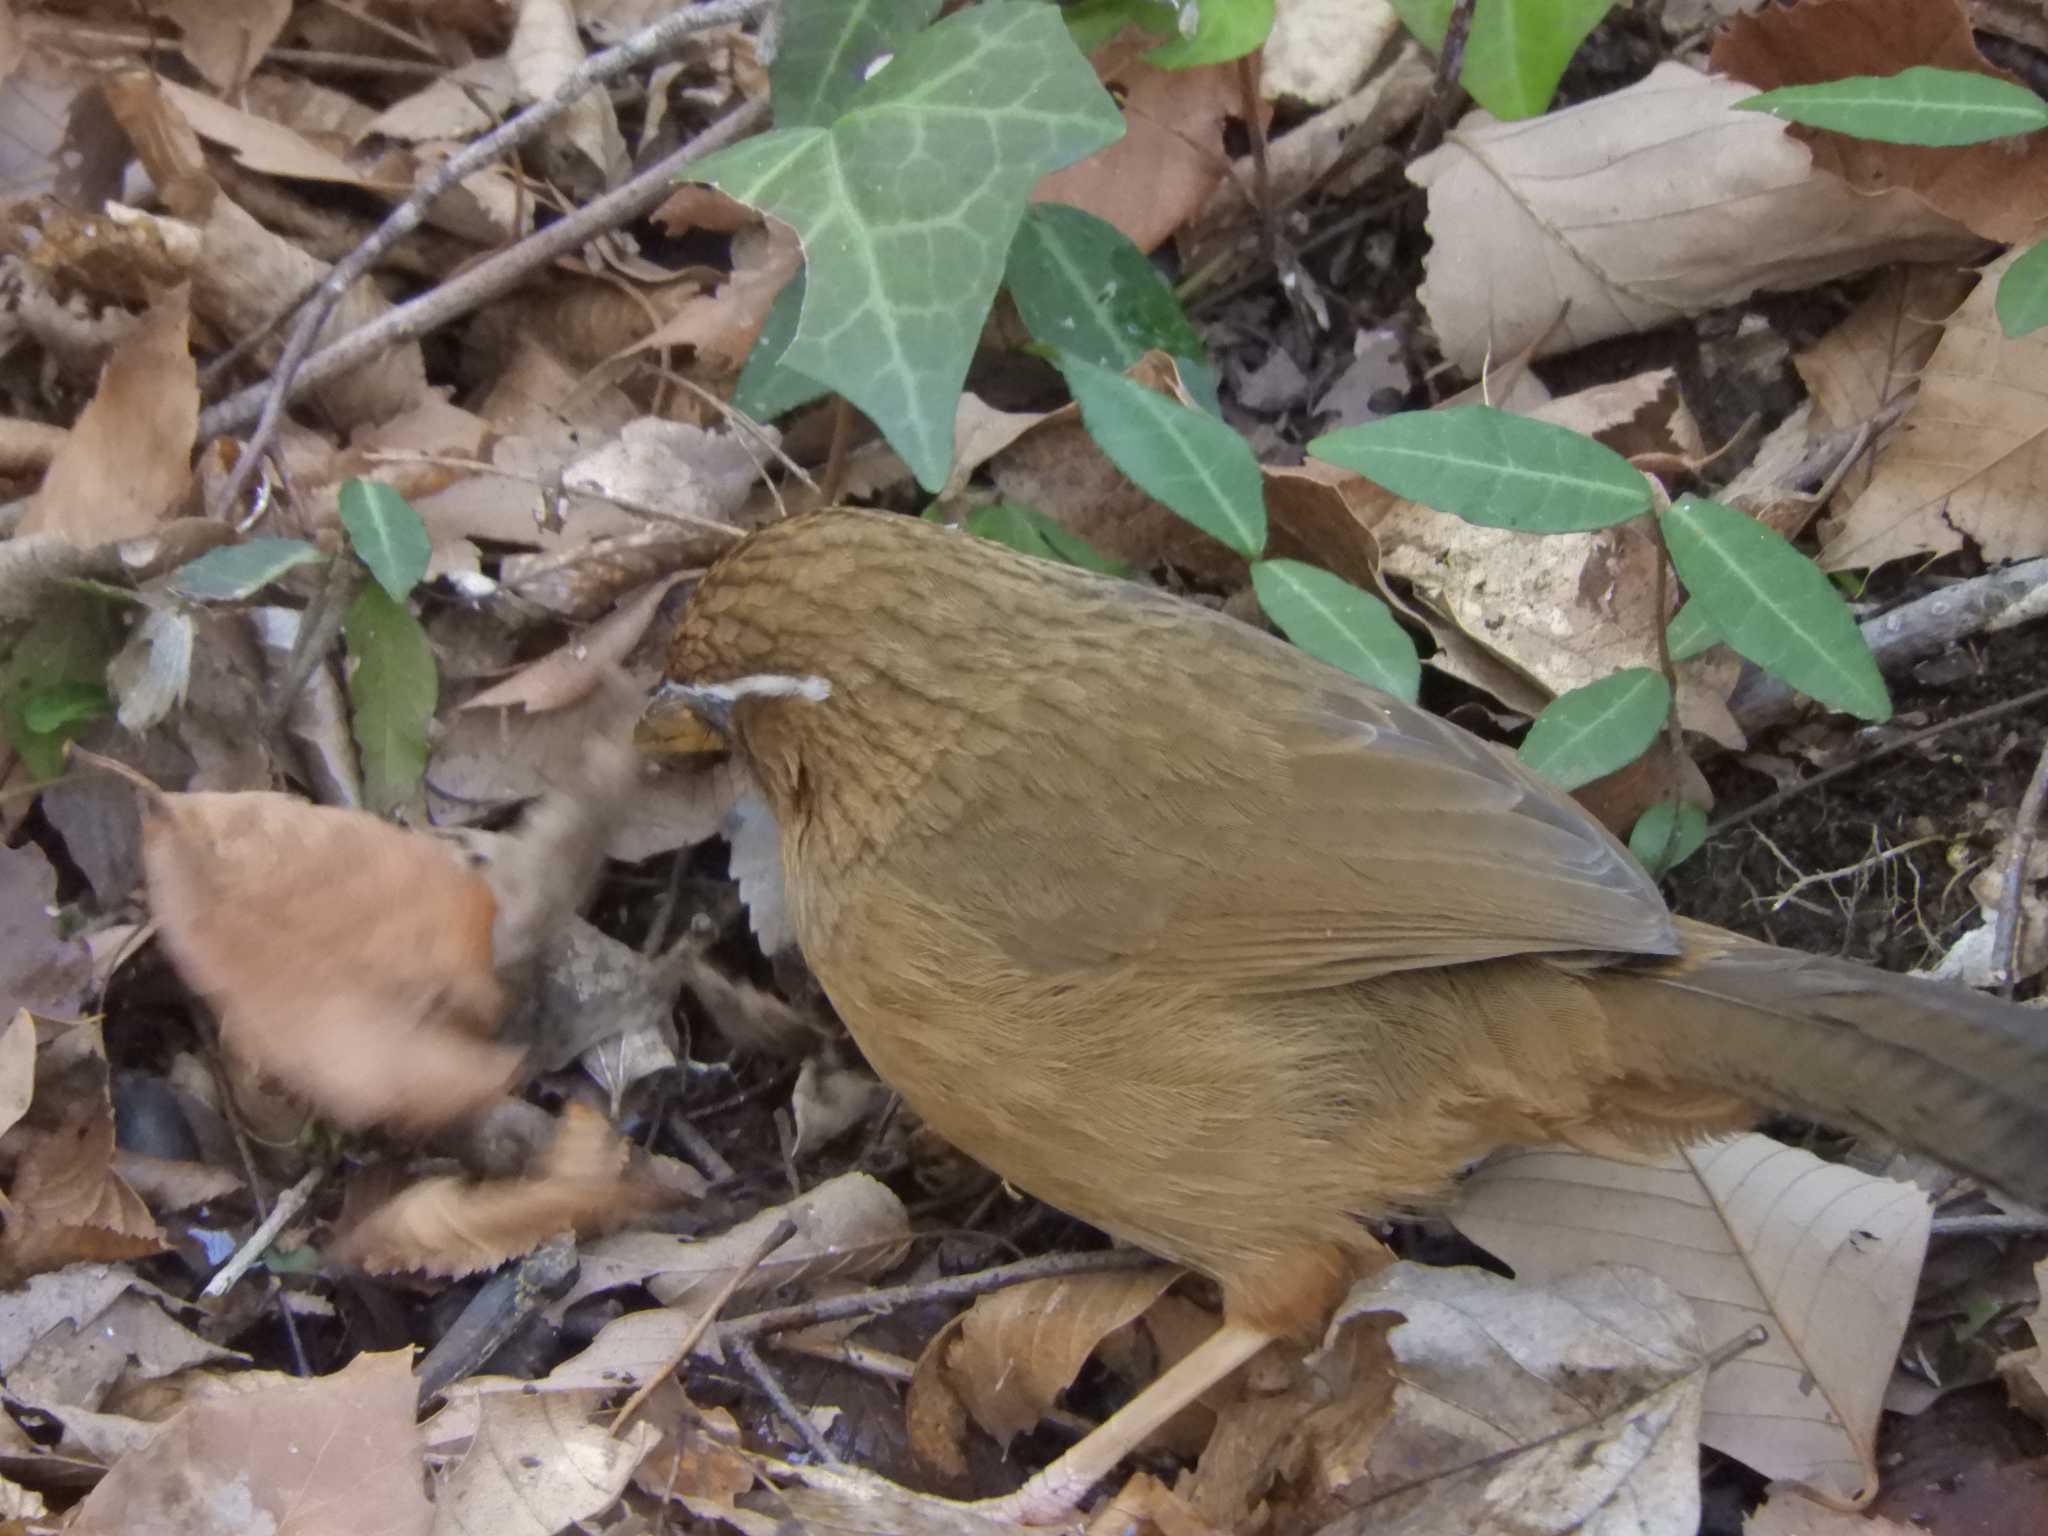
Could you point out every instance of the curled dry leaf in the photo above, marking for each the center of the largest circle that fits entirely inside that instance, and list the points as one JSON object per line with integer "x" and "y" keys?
{"x": 67, "y": 1204}
{"x": 538, "y": 1464}
{"x": 451, "y": 1226}
{"x": 348, "y": 958}
{"x": 1638, "y": 208}
{"x": 1007, "y": 1358}
{"x": 1753, "y": 1232}
{"x": 1969, "y": 460}
{"x": 2000, "y": 189}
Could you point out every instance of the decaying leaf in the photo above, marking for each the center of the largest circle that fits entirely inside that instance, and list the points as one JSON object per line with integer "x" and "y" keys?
{"x": 1753, "y": 1232}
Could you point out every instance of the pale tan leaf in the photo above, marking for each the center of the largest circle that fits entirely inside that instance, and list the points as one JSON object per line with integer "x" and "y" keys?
{"x": 566, "y": 675}
{"x": 1638, "y": 208}
{"x": 538, "y": 1465}
{"x": 226, "y": 39}
{"x": 127, "y": 463}
{"x": 1753, "y": 1232}
{"x": 1008, "y": 1357}
{"x": 1970, "y": 459}
{"x": 2026, "y": 1370}
{"x": 1786, "y": 1513}
{"x": 1322, "y": 50}
{"x": 545, "y": 51}
{"x": 17, "y": 1068}
{"x": 265, "y": 146}
{"x": 273, "y": 1459}
{"x": 1570, "y": 1406}
{"x": 1876, "y": 354}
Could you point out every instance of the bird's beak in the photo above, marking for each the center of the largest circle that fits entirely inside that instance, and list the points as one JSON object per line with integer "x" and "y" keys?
{"x": 685, "y": 722}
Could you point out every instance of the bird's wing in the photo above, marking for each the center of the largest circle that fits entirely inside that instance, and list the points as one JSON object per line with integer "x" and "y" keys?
{"x": 1344, "y": 835}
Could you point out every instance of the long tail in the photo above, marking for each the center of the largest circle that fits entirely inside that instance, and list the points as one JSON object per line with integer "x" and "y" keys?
{"x": 1947, "y": 1071}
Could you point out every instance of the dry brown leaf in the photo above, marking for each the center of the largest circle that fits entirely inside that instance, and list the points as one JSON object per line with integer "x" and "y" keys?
{"x": 348, "y": 958}
{"x": 1170, "y": 158}
{"x": 17, "y": 1068}
{"x": 40, "y": 968}
{"x": 1565, "y": 1407}
{"x": 566, "y": 675}
{"x": 581, "y": 146}
{"x": 721, "y": 326}
{"x": 226, "y": 39}
{"x": 1638, "y": 208}
{"x": 696, "y": 1456}
{"x": 847, "y": 1228}
{"x": 128, "y": 461}
{"x": 452, "y": 1226}
{"x": 131, "y": 1342}
{"x": 1969, "y": 460}
{"x": 1787, "y": 1513}
{"x": 1320, "y": 51}
{"x": 2026, "y": 1370}
{"x": 2000, "y": 189}
{"x": 266, "y": 147}
{"x": 538, "y": 1464}
{"x": 1753, "y": 1232}
{"x": 1007, "y": 1358}
{"x": 275, "y": 1459}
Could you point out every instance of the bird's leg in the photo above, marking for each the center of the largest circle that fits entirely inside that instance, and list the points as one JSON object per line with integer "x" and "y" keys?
{"x": 1054, "y": 1492}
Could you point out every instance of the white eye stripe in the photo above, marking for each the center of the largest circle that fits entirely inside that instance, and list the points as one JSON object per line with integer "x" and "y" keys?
{"x": 762, "y": 685}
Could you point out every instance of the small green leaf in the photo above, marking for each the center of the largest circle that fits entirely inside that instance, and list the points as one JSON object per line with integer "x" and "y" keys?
{"x": 1336, "y": 622}
{"x": 1667, "y": 834}
{"x": 1193, "y": 462}
{"x": 240, "y": 570}
{"x": 1085, "y": 290}
{"x": 1940, "y": 108}
{"x": 1774, "y": 606}
{"x": 1517, "y": 50}
{"x": 1031, "y": 532}
{"x": 1493, "y": 468}
{"x": 2022, "y": 300}
{"x": 48, "y": 710}
{"x": 1224, "y": 30}
{"x": 387, "y": 533}
{"x": 1092, "y": 23}
{"x": 1592, "y": 731}
{"x": 906, "y": 203}
{"x": 1690, "y": 633}
{"x": 393, "y": 689}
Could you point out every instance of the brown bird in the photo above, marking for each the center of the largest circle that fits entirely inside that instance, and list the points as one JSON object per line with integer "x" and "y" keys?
{"x": 1221, "y": 949}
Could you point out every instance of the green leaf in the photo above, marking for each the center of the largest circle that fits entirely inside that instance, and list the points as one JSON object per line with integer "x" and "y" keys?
{"x": 49, "y": 710}
{"x": 2022, "y": 300}
{"x": 240, "y": 570}
{"x": 387, "y": 533}
{"x": 393, "y": 688}
{"x": 1031, "y": 532}
{"x": 1774, "y": 606}
{"x": 1224, "y": 30}
{"x": 829, "y": 47}
{"x": 1493, "y": 468}
{"x": 1193, "y": 462}
{"x": 1336, "y": 622}
{"x": 1085, "y": 290}
{"x": 53, "y": 662}
{"x": 1517, "y": 50}
{"x": 1667, "y": 834}
{"x": 906, "y": 205}
{"x": 768, "y": 387}
{"x": 1592, "y": 731}
{"x": 1690, "y": 633}
{"x": 1942, "y": 108}
{"x": 1095, "y": 22}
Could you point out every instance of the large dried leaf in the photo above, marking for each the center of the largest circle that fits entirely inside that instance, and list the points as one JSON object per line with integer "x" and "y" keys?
{"x": 1970, "y": 459}
{"x": 1636, "y": 209}
{"x": 348, "y": 958}
{"x": 1753, "y": 1232}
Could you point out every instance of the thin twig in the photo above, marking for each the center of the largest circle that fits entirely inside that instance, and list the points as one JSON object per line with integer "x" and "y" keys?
{"x": 1450, "y": 63}
{"x": 1989, "y": 1226}
{"x": 649, "y": 42}
{"x": 771, "y": 1386}
{"x": 288, "y": 1205}
{"x": 2005, "y": 936}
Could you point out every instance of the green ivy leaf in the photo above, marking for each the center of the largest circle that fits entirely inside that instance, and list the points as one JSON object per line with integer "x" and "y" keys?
{"x": 392, "y": 689}
{"x": 55, "y": 665}
{"x": 1031, "y": 532}
{"x": 1085, "y": 290}
{"x": 1666, "y": 835}
{"x": 767, "y": 386}
{"x": 906, "y": 205}
{"x": 1095, "y": 22}
{"x": 387, "y": 533}
{"x": 47, "y": 711}
{"x": 1224, "y": 30}
{"x": 829, "y": 47}
{"x": 1940, "y": 108}
{"x": 1517, "y": 50}
{"x": 1690, "y": 633}
{"x": 240, "y": 570}
{"x": 1336, "y": 622}
{"x": 1493, "y": 468}
{"x": 1592, "y": 731}
{"x": 2022, "y": 298}
{"x": 1774, "y": 606}
{"x": 1189, "y": 460}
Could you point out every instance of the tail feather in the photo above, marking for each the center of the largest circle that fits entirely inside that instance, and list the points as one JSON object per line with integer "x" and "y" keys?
{"x": 1947, "y": 1071}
